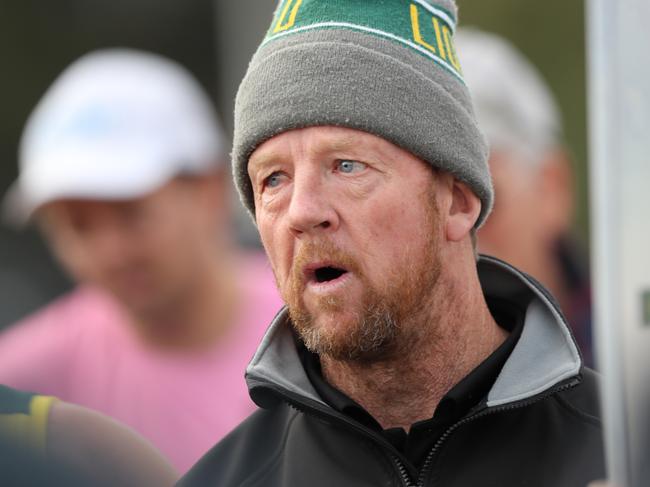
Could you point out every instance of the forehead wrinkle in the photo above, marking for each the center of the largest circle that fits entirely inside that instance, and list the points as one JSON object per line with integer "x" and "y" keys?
{"x": 365, "y": 142}
{"x": 338, "y": 143}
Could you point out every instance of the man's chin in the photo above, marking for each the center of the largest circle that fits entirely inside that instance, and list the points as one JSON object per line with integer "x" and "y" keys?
{"x": 340, "y": 349}
{"x": 341, "y": 337}
{"x": 327, "y": 322}
{"x": 142, "y": 306}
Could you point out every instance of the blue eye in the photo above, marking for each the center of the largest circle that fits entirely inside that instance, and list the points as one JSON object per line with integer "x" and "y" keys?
{"x": 348, "y": 167}
{"x": 273, "y": 180}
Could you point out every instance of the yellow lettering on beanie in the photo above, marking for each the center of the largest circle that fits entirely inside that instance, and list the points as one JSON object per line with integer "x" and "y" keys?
{"x": 450, "y": 49}
{"x": 417, "y": 35}
{"x": 440, "y": 39}
{"x": 436, "y": 26}
{"x": 419, "y": 24}
{"x": 280, "y": 26}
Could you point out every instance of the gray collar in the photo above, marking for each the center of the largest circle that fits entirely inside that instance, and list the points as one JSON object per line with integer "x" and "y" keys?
{"x": 544, "y": 356}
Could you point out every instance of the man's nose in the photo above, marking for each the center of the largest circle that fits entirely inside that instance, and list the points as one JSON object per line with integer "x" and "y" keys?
{"x": 311, "y": 208}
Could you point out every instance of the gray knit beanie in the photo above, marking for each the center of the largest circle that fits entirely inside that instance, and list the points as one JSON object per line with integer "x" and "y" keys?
{"x": 386, "y": 67}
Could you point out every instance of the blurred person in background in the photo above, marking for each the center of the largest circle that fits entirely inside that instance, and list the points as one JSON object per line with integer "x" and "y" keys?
{"x": 123, "y": 168}
{"x": 531, "y": 224}
{"x": 46, "y": 442}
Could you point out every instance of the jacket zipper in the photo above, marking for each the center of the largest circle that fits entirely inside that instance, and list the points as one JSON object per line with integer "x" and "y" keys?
{"x": 316, "y": 412}
{"x": 406, "y": 478}
{"x": 487, "y": 412}
{"x": 407, "y": 481}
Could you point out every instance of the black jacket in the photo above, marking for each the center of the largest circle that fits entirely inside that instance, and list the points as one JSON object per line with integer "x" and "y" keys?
{"x": 537, "y": 427}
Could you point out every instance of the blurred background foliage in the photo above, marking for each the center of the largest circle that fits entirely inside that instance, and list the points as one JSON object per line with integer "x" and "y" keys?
{"x": 215, "y": 39}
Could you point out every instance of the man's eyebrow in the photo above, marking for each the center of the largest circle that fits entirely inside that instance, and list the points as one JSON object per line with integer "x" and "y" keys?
{"x": 255, "y": 163}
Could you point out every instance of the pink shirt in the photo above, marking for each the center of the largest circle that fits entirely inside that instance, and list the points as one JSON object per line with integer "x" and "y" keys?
{"x": 82, "y": 349}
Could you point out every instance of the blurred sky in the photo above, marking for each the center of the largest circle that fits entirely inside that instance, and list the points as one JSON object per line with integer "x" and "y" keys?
{"x": 215, "y": 40}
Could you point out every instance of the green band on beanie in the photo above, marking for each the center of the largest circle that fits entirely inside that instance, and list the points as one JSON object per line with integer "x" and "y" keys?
{"x": 387, "y": 67}
{"x": 419, "y": 25}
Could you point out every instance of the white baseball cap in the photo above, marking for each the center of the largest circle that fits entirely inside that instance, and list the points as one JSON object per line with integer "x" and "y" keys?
{"x": 117, "y": 124}
{"x": 515, "y": 108}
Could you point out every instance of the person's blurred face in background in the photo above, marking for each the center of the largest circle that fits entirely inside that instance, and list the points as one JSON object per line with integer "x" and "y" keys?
{"x": 533, "y": 208}
{"x": 148, "y": 252}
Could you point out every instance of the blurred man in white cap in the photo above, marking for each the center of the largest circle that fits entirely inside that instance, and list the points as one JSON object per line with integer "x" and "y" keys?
{"x": 531, "y": 224}
{"x": 122, "y": 166}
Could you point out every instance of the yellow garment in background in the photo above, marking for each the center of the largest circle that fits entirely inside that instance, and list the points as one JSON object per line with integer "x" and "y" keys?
{"x": 24, "y": 417}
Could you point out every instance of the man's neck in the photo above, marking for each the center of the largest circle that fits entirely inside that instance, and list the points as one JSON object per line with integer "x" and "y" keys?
{"x": 451, "y": 341}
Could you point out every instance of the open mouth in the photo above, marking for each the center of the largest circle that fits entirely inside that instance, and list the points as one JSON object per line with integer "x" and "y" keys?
{"x": 328, "y": 273}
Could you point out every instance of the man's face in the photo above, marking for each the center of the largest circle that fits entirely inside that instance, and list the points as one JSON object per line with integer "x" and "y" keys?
{"x": 147, "y": 252}
{"x": 350, "y": 224}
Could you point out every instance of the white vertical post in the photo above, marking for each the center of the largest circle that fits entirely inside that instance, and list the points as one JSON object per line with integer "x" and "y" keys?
{"x": 619, "y": 132}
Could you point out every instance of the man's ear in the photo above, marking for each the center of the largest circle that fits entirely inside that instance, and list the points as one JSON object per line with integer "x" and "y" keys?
{"x": 463, "y": 212}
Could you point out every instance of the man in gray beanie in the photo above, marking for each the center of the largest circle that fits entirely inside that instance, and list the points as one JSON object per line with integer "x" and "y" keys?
{"x": 399, "y": 359}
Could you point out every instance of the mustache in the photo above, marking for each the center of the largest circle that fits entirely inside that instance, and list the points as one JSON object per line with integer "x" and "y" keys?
{"x": 325, "y": 251}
